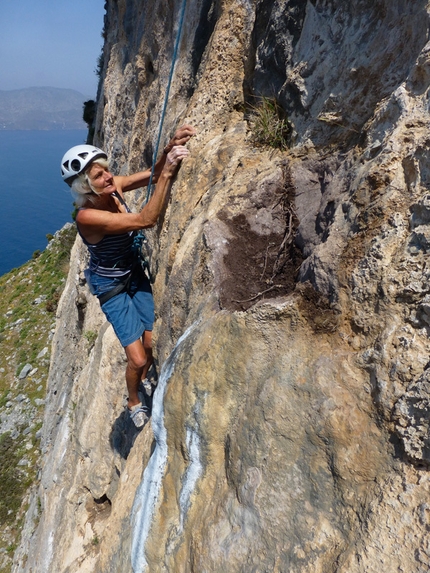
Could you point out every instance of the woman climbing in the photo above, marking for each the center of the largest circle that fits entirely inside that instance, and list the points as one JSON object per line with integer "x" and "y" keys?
{"x": 108, "y": 228}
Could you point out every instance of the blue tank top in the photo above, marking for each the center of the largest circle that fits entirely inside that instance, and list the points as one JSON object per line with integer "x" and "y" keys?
{"x": 112, "y": 256}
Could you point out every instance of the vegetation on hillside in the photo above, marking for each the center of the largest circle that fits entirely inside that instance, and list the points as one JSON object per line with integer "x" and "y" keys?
{"x": 29, "y": 300}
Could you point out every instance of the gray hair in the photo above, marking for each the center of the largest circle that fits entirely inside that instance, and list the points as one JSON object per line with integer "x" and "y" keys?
{"x": 82, "y": 190}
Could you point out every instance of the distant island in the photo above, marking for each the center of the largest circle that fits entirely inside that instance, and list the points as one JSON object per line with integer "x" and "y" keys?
{"x": 41, "y": 108}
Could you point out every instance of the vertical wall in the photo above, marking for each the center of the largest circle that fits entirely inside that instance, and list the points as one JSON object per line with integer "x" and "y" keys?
{"x": 291, "y": 420}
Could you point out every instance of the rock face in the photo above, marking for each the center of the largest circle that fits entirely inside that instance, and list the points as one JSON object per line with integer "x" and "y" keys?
{"x": 290, "y": 426}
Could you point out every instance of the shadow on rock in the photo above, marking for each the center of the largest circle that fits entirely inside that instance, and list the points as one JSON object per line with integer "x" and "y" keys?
{"x": 124, "y": 432}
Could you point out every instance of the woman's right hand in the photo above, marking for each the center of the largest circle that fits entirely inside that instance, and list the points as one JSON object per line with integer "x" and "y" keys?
{"x": 181, "y": 137}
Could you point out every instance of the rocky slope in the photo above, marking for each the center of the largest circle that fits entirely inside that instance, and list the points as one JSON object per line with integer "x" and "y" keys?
{"x": 29, "y": 298}
{"x": 290, "y": 424}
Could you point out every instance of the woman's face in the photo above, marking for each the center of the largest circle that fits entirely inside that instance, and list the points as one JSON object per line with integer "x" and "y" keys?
{"x": 101, "y": 179}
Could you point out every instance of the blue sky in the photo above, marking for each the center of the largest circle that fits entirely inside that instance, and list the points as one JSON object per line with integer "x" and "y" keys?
{"x": 53, "y": 43}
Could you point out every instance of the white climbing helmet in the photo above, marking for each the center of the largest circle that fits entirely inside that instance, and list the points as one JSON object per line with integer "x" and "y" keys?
{"x": 77, "y": 159}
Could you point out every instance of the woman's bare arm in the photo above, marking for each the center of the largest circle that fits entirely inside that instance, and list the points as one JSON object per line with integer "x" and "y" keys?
{"x": 94, "y": 224}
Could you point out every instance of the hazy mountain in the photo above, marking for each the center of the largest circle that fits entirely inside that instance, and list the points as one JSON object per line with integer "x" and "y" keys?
{"x": 41, "y": 108}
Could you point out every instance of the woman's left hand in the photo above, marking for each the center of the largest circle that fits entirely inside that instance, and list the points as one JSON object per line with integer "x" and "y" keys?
{"x": 174, "y": 158}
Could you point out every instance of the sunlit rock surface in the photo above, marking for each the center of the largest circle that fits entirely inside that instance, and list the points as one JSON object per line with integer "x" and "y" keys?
{"x": 290, "y": 429}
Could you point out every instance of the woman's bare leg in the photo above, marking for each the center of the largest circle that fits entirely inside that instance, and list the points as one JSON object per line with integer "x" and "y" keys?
{"x": 136, "y": 364}
{"x": 147, "y": 345}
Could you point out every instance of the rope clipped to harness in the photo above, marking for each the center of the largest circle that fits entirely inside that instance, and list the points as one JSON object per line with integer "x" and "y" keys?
{"x": 139, "y": 257}
{"x": 139, "y": 262}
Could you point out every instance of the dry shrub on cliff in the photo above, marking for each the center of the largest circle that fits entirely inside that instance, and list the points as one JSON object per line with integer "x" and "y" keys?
{"x": 269, "y": 124}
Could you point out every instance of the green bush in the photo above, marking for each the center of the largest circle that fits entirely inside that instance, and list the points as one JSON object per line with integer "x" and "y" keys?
{"x": 91, "y": 336}
{"x": 269, "y": 124}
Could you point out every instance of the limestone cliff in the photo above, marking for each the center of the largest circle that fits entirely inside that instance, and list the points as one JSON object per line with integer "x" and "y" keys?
{"x": 290, "y": 425}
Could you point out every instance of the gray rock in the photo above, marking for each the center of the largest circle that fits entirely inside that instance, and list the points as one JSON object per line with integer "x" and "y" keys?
{"x": 25, "y": 371}
{"x": 412, "y": 417}
{"x": 42, "y": 353}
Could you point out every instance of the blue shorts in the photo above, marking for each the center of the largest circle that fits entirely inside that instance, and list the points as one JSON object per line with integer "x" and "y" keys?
{"x": 130, "y": 313}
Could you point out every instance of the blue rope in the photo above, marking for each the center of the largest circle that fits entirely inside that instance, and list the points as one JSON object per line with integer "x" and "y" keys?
{"x": 139, "y": 237}
{"x": 166, "y": 97}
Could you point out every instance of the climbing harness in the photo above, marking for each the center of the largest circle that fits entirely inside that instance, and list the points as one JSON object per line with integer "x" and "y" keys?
{"x": 140, "y": 238}
{"x": 138, "y": 262}
{"x": 118, "y": 289}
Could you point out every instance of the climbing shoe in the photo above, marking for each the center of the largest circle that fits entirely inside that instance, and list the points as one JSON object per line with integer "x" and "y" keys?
{"x": 150, "y": 381}
{"x": 147, "y": 386}
{"x": 139, "y": 415}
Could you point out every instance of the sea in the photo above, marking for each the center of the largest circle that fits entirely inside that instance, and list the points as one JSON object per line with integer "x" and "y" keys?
{"x": 35, "y": 201}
